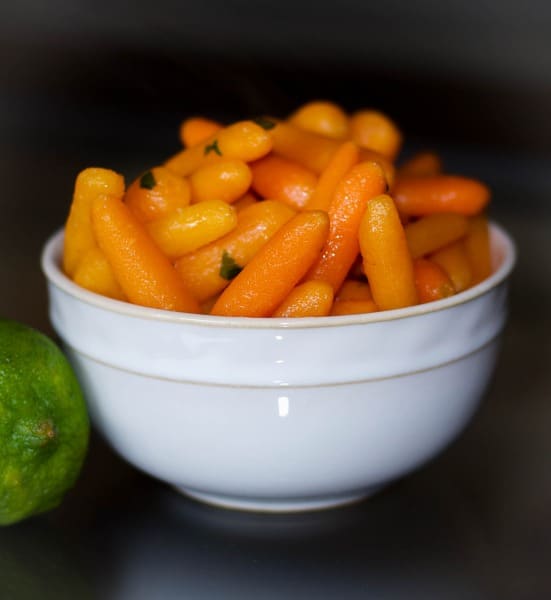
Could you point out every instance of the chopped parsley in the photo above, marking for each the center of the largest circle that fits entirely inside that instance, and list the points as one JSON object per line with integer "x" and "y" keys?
{"x": 264, "y": 123}
{"x": 229, "y": 268}
{"x": 213, "y": 148}
{"x": 147, "y": 181}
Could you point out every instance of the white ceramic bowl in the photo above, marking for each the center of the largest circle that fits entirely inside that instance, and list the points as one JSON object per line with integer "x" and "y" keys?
{"x": 274, "y": 414}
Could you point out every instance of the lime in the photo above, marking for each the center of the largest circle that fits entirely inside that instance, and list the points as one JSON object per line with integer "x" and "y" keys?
{"x": 44, "y": 425}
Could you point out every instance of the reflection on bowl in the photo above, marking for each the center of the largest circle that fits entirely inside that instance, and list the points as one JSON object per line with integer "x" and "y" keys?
{"x": 281, "y": 415}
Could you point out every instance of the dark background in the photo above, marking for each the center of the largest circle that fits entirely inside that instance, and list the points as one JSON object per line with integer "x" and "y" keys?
{"x": 102, "y": 83}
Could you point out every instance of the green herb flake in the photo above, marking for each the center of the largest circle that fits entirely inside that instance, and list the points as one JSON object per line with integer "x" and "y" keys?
{"x": 147, "y": 181}
{"x": 264, "y": 123}
{"x": 213, "y": 148}
{"x": 229, "y": 268}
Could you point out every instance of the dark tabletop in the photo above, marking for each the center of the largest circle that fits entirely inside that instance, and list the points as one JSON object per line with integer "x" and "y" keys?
{"x": 474, "y": 523}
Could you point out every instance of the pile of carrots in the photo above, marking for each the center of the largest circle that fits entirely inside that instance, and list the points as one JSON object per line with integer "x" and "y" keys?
{"x": 298, "y": 217}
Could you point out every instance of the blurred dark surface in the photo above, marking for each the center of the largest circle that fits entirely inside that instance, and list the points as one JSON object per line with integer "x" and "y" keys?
{"x": 106, "y": 84}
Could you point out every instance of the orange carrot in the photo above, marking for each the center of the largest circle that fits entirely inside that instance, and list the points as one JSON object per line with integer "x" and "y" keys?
{"x": 344, "y": 158}
{"x": 386, "y": 258}
{"x": 311, "y": 150}
{"x": 281, "y": 179}
{"x": 265, "y": 282}
{"x": 144, "y": 273}
{"x": 157, "y": 193}
{"x": 322, "y": 117}
{"x": 385, "y": 163}
{"x": 196, "y": 130}
{"x": 315, "y": 151}
{"x": 226, "y": 180}
{"x": 309, "y": 299}
{"x": 477, "y": 247}
{"x": 364, "y": 181}
{"x": 374, "y": 130}
{"x": 245, "y": 201}
{"x": 431, "y": 281}
{"x": 79, "y": 236}
{"x": 435, "y": 231}
{"x": 419, "y": 196}
{"x": 210, "y": 269}
{"x": 353, "y": 307}
{"x": 352, "y": 289}
{"x": 192, "y": 227}
{"x": 95, "y": 274}
{"x": 453, "y": 259}
{"x": 244, "y": 140}
{"x": 423, "y": 163}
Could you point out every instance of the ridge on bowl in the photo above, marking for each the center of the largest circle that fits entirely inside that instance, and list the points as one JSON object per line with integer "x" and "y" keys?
{"x": 281, "y": 415}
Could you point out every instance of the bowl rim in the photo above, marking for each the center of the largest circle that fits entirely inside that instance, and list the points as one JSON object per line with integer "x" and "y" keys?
{"x": 50, "y": 263}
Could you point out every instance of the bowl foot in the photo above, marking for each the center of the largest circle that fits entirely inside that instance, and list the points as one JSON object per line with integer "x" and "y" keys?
{"x": 278, "y": 505}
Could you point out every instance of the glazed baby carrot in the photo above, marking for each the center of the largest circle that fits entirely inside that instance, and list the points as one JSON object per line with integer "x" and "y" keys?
{"x": 226, "y": 180}
{"x": 245, "y": 200}
{"x": 477, "y": 247}
{"x": 188, "y": 235}
{"x": 453, "y": 259}
{"x": 432, "y": 232}
{"x": 431, "y": 281}
{"x": 196, "y": 130}
{"x": 273, "y": 272}
{"x": 282, "y": 179}
{"x": 244, "y": 140}
{"x": 210, "y": 269}
{"x": 419, "y": 196}
{"x": 157, "y": 193}
{"x": 95, "y": 274}
{"x": 343, "y": 159}
{"x": 423, "y": 163}
{"x": 314, "y": 151}
{"x": 309, "y": 149}
{"x": 309, "y": 299}
{"x": 79, "y": 236}
{"x": 192, "y": 227}
{"x": 374, "y": 130}
{"x": 364, "y": 181}
{"x": 144, "y": 273}
{"x": 353, "y": 289}
{"x": 325, "y": 118}
{"x": 353, "y": 307}
{"x": 386, "y": 258}
{"x": 386, "y": 165}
